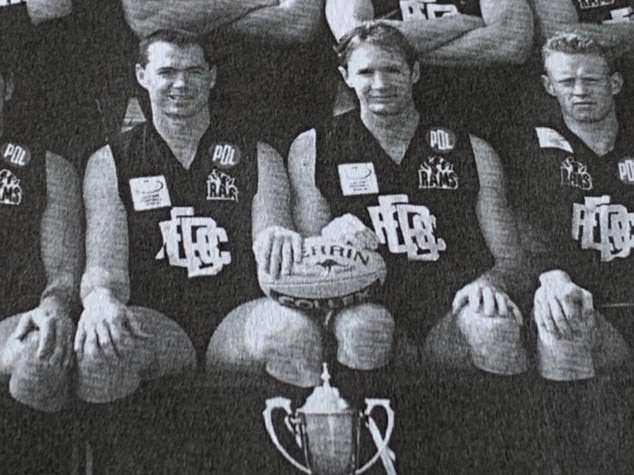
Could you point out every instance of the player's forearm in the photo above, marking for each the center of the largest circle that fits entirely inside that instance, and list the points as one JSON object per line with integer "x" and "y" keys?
{"x": 61, "y": 232}
{"x": 344, "y": 15}
{"x": 505, "y": 38}
{"x": 292, "y": 21}
{"x": 45, "y": 10}
{"x": 197, "y": 16}
{"x": 272, "y": 202}
{"x": 618, "y": 37}
{"x": 106, "y": 229}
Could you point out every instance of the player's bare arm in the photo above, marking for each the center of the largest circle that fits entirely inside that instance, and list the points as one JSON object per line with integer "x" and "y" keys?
{"x": 554, "y": 16}
{"x": 276, "y": 245}
{"x": 488, "y": 293}
{"x": 311, "y": 212}
{"x": 424, "y": 35}
{"x": 196, "y": 16}
{"x": 505, "y": 38}
{"x": 45, "y": 10}
{"x": 105, "y": 285}
{"x": 291, "y": 21}
{"x": 62, "y": 255}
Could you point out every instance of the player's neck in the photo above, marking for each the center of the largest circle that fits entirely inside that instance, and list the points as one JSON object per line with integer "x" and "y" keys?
{"x": 600, "y": 136}
{"x": 182, "y": 134}
{"x": 393, "y": 127}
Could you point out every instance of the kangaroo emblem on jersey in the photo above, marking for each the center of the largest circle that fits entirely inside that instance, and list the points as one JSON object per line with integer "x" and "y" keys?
{"x": 14, "y": 154}
{"x": 575, "y": 174}
{"x": 10, "y": 189}
{"x": 437, "y": 173}
{"x": 221, "y": 187}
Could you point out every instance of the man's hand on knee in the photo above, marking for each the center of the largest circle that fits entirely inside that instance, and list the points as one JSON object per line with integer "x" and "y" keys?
{"x": 563, "y": 309}
{"x": 55, "y": 331}
{"x": 106, "y": 327}
{"x": 484, "y": 298}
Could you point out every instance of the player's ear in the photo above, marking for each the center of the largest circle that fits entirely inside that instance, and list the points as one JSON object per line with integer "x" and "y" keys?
{"x": 140, "y": 76}
{"x": 548, "y": 85}
{"x": 8, "y": 87}
{"x": 213, "y": 76}
{"x": 415, "y": 72}
{"x": 616, "y": 83}
{"x": 344, "y": 74}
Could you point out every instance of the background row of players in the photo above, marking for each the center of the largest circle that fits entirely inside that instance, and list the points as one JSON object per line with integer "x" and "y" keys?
{"x": 277, "y": 64}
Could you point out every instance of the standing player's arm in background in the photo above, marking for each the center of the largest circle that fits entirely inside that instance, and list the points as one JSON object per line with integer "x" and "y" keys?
{"x": 555, "y": 16}
{"x": 290, "y": 22}
{"x": 311, "y": 211}
{"x": 196, "y": 16}
{"x": 61, "y": 248}
{"x": 344, "y": 15}
{"x": 425, "y": 36}
{"x": 505, "y": 37}
{"x": 45, "y": 10}
{"x": 276, "y": 245}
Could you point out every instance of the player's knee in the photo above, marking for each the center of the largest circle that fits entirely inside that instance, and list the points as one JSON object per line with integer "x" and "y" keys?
{"x": 102, "y": 380}
{"x": 365, "y": 336}
{"x": 265, "y": 334}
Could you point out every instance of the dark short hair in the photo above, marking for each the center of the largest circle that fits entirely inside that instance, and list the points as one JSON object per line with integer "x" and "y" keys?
{"x": 174, "y": 37}
{"x": 577, "y": 43}
{"x": 378, "y": 34}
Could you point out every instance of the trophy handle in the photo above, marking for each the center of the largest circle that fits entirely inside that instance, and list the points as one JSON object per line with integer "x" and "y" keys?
{"x": 382, "y": 445}
{"x": 271, "y": 405}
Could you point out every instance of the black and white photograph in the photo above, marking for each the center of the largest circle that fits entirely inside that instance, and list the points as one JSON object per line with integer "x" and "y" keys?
{"x": 323, "y": 237}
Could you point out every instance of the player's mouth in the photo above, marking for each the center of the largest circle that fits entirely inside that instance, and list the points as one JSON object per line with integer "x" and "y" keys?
{"x": 180, "y": 97}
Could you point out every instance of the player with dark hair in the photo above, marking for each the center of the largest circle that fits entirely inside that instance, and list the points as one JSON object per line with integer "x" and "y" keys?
{"x": 573, "y": 193}
{"x": 40, "y": 260}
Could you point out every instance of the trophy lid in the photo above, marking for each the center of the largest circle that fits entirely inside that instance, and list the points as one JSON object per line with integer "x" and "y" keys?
{"x": 325, "y": 399}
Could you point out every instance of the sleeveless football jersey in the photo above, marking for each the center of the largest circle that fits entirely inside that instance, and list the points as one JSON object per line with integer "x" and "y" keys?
{"x": 423, "y": 211}
{"x": 582, "y": 204}
{"x": 189, "y": 230}
{"x": 22, "y": 203}
{"x": 604, "y": 11}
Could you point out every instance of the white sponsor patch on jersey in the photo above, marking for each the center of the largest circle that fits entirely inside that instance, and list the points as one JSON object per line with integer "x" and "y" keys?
{"x": 149, "y": 192}
{"x": 425, "y": 10}
{"x": 358, "y": 179}
{"x": 10, "y": 189}
{"x": 626, "y": 170}
{"x": 549, "y": 138}
{"x": 14, "y": 154}
{"x": 193, "y": 242}
{"x": 588, "y": 4}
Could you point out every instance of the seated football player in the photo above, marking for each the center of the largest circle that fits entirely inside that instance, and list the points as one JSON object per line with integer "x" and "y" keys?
{"x": 472, "y": 51}
{"x": 40, "y": 259}
{"x": 573, "y": 193}
{"x": 430, "y": 198}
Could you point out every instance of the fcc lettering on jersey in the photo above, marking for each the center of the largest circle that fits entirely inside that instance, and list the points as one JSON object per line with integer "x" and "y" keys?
{"x": 193, "y": 242}
{"x": 575, "y": 174}
{"x": 406, "y": 228}
{"x": 425, "y": 9}
{"x": 604, "y": 227}
{"x": 10, "y": 189}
